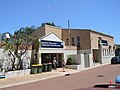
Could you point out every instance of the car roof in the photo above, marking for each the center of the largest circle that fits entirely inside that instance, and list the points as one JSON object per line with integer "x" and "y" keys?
{"x": 97, "y": 89}
{"x": 102, "y": 87}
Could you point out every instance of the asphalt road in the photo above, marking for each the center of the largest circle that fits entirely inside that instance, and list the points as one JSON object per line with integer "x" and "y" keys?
{"x": 83, "y": 79}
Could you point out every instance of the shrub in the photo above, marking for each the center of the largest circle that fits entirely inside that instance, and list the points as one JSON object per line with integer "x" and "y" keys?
{"x": 70, "y": 61}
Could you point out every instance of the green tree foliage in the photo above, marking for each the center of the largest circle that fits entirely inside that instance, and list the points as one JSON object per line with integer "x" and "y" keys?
{"x": 52, "y": 24}
{"x": 19, "y": 43}
{"x": 35, "y": 51}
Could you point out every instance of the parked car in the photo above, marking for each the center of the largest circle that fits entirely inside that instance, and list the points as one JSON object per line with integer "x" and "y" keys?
{"x": 115, "y": 60}
{"x": 105, "y": 86}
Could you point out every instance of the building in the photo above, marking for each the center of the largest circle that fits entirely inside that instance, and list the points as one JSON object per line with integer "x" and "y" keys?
{"x": 86, "y": 46}
{"x": 98, "y": 47}
{"x": 52, "y": 45}
{"x": 117, "y": 50}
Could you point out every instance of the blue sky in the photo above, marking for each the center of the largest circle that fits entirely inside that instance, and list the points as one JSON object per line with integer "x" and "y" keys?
{"x": 99, "y": 15}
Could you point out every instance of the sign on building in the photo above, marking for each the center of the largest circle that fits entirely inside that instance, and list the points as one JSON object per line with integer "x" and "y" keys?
{"x": 51, "y": 44}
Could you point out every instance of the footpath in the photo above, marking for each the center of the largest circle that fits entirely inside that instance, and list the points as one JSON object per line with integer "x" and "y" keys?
{"x": 8, "y": 82}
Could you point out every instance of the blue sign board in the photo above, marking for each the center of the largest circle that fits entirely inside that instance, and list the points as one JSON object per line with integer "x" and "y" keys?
{"x": 51, "y": 44}
{"x": 104, "y": 42}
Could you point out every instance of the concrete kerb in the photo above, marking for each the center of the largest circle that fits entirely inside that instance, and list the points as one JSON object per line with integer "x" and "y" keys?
{"x": 46, "y": 75}
{"x": 29, "y": 81}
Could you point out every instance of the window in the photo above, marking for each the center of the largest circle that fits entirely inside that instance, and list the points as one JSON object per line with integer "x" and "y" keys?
{"x": 103, "y": 52}
{"x": 73, "y": 43}
{"x": 109, "y": 51}
{"x": 67, "y": 41}
{"x": 78, "y": 41}
{"x": 104, "y": 42}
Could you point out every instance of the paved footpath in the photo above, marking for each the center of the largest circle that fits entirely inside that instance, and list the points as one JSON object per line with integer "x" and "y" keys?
{"x": 8, "y": 82}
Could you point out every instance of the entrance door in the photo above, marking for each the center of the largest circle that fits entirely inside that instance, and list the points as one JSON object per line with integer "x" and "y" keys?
{"x": 60, "y": 57}
{"x": 45, "y": 58}
{"x": 49, "y": 57}
{"x": 86, "y": 60}
{"x": 96, "y": 55}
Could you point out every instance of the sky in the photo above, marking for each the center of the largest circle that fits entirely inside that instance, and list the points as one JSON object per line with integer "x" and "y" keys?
{"x": 99, "y": 15}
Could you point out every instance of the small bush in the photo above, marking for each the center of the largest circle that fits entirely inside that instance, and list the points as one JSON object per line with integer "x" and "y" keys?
{"x": 70, "y": 61}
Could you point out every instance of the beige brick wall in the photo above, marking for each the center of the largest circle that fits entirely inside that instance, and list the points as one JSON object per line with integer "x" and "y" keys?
{"x": 88, "y": 38}
{"x": 94, "y": 40}
{"x": 56, "y": 30}
{"x": 47, "y": 29}
{"x": 84, "y": 37}
{"x": 40, "y": 32}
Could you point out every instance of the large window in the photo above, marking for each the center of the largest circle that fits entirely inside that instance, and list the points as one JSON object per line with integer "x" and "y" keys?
{"x": 67, "y": 41}
{"x": 73, "y": 42}
{"x": 103, "y": 52}
{"x": 104, "y": 42}
{"x": 78, "y": 41}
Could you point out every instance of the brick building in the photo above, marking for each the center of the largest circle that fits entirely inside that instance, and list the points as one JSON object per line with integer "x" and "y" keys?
{"x": 87, "y": 46}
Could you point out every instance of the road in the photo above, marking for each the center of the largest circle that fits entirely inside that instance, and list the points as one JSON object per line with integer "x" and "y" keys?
{"x": 83, "y": 79}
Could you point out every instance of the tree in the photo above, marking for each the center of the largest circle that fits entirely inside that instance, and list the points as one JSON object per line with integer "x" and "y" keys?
{"x": 49, "y": 23}
{"x": 18, "y": 45}
{"x": 35, "y": 51}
